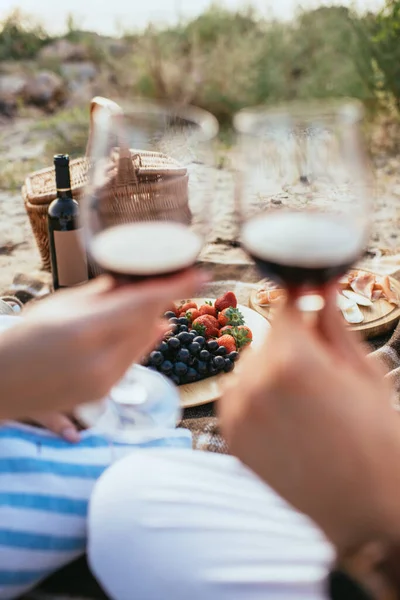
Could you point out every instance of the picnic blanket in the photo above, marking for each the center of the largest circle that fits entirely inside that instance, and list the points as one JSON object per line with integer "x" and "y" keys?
{"x": 75, "y": 580}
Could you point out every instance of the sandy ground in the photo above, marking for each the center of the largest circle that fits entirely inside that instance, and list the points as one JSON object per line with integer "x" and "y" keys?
{"x": 19, "y": 254}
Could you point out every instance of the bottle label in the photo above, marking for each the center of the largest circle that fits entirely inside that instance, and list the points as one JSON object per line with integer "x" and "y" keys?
{"x": 71, "y": 258}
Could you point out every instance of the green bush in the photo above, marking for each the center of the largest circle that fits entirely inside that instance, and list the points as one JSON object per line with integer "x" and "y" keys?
{"x": 224, "y": 60}
{"x": 385, "y": 47}
{"x": 20, "y": 38}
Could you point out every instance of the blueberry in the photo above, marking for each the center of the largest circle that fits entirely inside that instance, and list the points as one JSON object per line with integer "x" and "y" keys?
{"x": 156, "y": 358}
{"x": 183, "y": 328}
{"x": 202, "y": 367}
{"x": 180, "y": 369}
{"x": 222, "y": 351}
{"x": 199, "y": 339}
{"x": 183, "y": 321}
{"x": 212, "y": 345}
{"x": 184, "y": 338}
{"x": 212, "y": 370}
{"x": 194, "y": 348}
{"x": 191, "y": 375}
{"x": 219, "y": 362}
{"x": 174, "y": 343}
{"x": 192, "y": 336}
{"x": 173, "y": 321}
{"x": 233, "y": 356}
{"x": 174, "y": 329}
{"x": 163, "y": 347}
{"x": 229, "y": 365}
{"x": 183, "y": 355}
{"x": 204, "y": 355}
{"x": 170, "y": 315}
{"x": 166, "y": 367}
{"x": 175, "y": 379}
{"x": 193, "y": 361}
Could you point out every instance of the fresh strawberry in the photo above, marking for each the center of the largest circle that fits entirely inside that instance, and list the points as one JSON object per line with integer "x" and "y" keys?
{"x": 226, "y": 330}
{"x": 192, "y": 314}
{"x": 206, "y": 309}
{"x": 230, "y": 316}
{"x": 228, "y": 342}
{"x": 206, "y": 325}
{"x": 186, "y": 306}
{"x": 227, "y": 300}
{"x": 243, "y": 336}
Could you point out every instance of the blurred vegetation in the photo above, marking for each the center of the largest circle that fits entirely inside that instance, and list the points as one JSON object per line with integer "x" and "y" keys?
{"x": 20, "y": 37}
{"x": 224, "y": 60}
{"x": 385, "y": 41}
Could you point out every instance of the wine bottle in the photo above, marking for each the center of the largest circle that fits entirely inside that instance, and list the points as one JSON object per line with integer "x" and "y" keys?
{"x": 68, "y": 257}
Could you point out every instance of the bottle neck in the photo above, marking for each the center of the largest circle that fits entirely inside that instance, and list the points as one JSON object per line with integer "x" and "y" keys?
{"x": 64, "y": 194}
{"x": 63, "y": 182}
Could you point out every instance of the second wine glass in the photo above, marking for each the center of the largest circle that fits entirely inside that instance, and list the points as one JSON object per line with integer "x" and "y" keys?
{"x": 304, "y": 192}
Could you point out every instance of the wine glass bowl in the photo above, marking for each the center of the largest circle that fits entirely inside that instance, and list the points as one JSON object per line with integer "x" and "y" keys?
{"x": 303, "y": 190}
{"x": 149, "y": 188}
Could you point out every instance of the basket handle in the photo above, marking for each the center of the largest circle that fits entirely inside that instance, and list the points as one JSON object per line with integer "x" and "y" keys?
{"x": 99, "y": 103}
{"x": 126, "y": 170}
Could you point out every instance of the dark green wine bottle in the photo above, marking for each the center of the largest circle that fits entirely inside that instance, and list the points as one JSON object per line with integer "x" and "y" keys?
{"x": 68, "y": 257}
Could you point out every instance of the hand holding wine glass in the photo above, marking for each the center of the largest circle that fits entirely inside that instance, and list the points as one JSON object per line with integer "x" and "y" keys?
{"x": 75, "y": 345}
{"x": 304, "y": 192}
{"x": 146, "y": 208}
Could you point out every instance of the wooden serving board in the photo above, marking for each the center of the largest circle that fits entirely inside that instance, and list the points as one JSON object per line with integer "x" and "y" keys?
{"x": 380, "y": 318}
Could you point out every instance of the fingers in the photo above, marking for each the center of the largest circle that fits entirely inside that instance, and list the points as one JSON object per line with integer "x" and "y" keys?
{"x": 118, "y": 311}
{"x": 116, "y": 360}
{"x": 60, "y": 425}
{"x": 99, "y": 285}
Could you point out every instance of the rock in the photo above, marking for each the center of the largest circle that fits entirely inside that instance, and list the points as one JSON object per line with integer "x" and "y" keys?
{"x": 12, "y": 84}
{"x": 64, "y": 51}
{"x": 78, "y": 74}
{"x": 118, "y": 48}
{"x": 11, "y": 91}
{"x": 26, "y": 287}
{"x": 46, "y": 90}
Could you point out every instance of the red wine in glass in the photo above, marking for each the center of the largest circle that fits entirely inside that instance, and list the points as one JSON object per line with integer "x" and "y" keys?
{"x": 146, "y": 249}
{"x": 301, "y": 249}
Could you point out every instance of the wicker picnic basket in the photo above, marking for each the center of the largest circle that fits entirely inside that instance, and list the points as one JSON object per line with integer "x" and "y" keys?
{"x": 145, "y": 186}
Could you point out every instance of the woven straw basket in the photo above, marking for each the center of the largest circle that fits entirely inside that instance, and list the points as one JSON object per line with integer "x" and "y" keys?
{"x": 145, "y": 186}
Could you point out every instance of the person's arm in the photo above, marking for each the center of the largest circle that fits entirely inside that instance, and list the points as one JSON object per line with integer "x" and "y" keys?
{"x": 313, "y": 417}
{"x": 74, "y": 346}
{"x": 368, "y": 573}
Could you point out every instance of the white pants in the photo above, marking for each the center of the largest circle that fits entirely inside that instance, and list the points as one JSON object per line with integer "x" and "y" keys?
{"x": 184, "y": 525}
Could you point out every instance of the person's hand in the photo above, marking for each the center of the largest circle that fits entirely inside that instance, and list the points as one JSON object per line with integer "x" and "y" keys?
{"x": 74, "y": 346}
{"x": 312, "y": 416}
{"x": 60, "y": 424}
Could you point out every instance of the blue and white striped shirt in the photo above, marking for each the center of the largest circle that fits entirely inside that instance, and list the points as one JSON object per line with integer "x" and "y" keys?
{"x": 45, "y": 486}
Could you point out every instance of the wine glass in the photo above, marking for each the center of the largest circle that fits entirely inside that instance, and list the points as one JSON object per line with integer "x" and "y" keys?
{"x": 304, "y": 193}
{"x": 145, "y": 215}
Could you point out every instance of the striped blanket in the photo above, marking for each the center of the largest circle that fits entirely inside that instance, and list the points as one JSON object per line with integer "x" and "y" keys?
{"x": 45, "y": 485}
